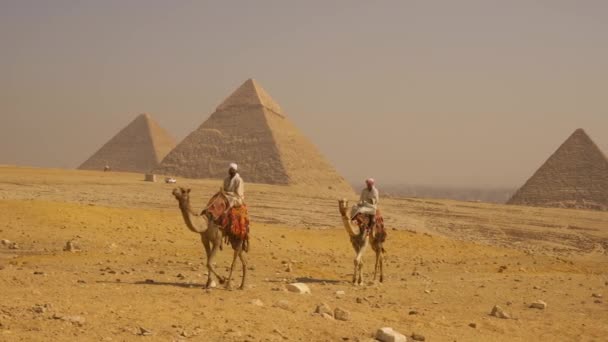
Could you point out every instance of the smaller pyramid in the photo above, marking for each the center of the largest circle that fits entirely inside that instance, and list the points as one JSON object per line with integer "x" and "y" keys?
{"x": 575, "y": 176}
{"x": 139, "y": 147}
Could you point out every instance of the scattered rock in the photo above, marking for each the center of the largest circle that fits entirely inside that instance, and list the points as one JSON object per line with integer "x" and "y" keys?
{"x": 596, "y": 295}
{"x": 13, "y": 245}
{"x": 327, "y": 316}
{"x": 141, "y": 331}
{"x": 234, "y": 333}
{"x": 473, "y": 325}
{"x": 71, "y": 246}
{"x": 427, "y": 291}
{"x": 497, "y": 311}
{"x": 257, "y": 302}
{"x": 413, "y": 312}
{"x": 149, "y": 281}
{"x": 341, "y": 314}
{"x": 298, "y": 288}
{"x": 5, "y": 242}
{"x": 539, "y": 304}
{"x": 77, "y": 320}
{"x": 340, "y": 293}
{"x": 324, "y": 309}
{"x": 288, "y": 268}
{"x": 283, "y": 304}
{"x": 389, "y": 335}
{"x": 40, "y": 308}
{"x": 280, "y": 333}
{"x": 418, "y": 337}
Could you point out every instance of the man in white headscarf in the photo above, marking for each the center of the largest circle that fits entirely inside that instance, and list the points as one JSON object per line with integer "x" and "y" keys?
{"x": 368, "y": 202}
{"x": 234, "y": 187}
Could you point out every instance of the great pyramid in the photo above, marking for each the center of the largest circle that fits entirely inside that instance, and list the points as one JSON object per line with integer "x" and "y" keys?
{"x": 575, "y": 176}
{"x": 249, "y": 128}
{"x": 138, "y": 147}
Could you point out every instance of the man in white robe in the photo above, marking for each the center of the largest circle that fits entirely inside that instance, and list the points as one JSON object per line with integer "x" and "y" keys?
{"x": 368, "y": 202}
{"x": 234, "y": 187}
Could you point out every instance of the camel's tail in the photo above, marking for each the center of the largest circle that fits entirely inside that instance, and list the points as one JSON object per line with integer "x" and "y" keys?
{"x": 246, "y": 244}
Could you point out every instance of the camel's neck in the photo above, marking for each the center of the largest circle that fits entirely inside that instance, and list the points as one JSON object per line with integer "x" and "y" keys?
{"x": 351, "y": 229}
{"x": 194, "y": 222}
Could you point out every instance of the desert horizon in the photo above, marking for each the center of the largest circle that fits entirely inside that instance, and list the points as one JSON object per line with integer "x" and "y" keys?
{"x": 265, "y": 171}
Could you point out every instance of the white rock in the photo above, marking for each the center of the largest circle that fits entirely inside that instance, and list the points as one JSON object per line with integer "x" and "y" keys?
{"x": 71, "y": 246}
{"x": 298, "y": 288}
{"x": 539, "y": 304}
{"x": 324, "y": 309}
{"x": 340, "y": 293}
{"x": 389, "y": 335}
{"x": 283, "y": 304}
{"x": 327, "y": 316}
{"x": 341, "y": 314}
{"x": 257, "y": 302}
{"x": 5, "y": 242}
{"x": 497, "y": 311}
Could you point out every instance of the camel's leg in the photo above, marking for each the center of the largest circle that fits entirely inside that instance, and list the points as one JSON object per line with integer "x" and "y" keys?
{"x": 359, "y": 262}
{"x": 355, "y": 271}
{"x": 362, "y": 252}
{"x": 211, "y": 252}
{"x": 377, "y": 262}
{"x": 210, "y": 263}
{"x": 237, "y": 250}
{"x": 244, "y": 263}
{"x": 210, "y": 282}
{"x": 381, "y": 254}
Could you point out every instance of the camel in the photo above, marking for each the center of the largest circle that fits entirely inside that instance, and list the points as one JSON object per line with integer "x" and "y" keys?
{"x": 211, "y": 237}
{"x": 360, "y": 238}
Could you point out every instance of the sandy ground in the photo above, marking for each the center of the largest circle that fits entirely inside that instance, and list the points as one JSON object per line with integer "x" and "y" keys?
{"x": 448, "y": 263}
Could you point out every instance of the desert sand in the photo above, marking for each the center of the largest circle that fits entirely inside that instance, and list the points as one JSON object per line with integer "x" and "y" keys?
{"x": 138, "y": 272}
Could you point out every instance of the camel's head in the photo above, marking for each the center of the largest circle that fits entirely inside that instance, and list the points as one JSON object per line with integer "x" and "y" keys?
{"x": 181, "y": 194}
{"x": 343, "y": 206}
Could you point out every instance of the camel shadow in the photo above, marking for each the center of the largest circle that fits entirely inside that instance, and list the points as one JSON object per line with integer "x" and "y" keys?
{"x": 310, "y": 280}
{"x": 155, "y": 283}
{"x": 165, "y": 283}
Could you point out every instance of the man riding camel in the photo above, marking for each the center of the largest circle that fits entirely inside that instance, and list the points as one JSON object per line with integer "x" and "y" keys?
{"x": 368, "y": 202}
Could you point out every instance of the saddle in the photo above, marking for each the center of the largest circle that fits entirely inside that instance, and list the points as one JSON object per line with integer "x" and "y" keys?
{"x": 377, "y": 231}
{"x": 233, "y": 222}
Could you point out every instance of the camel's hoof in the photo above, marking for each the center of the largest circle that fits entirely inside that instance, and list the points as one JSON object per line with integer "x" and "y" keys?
{"x": 221, "y": 280}
{"x": 242, "y": 287}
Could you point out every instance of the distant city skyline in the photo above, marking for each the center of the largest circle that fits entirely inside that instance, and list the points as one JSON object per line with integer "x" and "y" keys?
{"x": 467, "y": 93}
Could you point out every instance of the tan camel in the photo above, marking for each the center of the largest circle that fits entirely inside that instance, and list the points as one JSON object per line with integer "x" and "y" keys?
{"x": 360, "y": 238}
{"x": 211, "y": 237}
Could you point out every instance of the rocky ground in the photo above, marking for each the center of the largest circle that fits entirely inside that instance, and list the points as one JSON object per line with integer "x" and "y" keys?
{"x": 94, "y": 256}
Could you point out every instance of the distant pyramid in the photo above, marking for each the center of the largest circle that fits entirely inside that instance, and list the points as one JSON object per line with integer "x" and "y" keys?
{"x": 575, "y": 176}
{"x": 139, "y": 147}
{"x": 249, "y": 128}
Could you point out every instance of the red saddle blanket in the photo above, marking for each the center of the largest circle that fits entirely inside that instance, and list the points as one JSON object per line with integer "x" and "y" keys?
{"x": 236, "y": 222}
{"x": 363, "y": 223}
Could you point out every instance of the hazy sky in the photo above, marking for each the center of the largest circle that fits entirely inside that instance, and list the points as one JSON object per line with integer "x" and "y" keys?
{"x": 421, "y": 92}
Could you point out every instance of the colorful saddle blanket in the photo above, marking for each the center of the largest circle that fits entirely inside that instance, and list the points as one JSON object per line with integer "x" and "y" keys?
{"x": 235, "y": 222}
{"x": 378, "y": 230}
